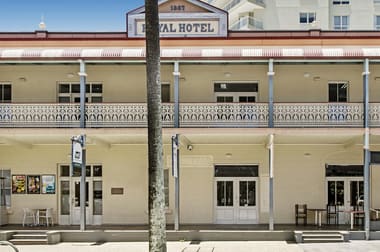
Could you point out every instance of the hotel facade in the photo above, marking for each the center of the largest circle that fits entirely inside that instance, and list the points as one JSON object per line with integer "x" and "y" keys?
{"x": 265, "y": 120}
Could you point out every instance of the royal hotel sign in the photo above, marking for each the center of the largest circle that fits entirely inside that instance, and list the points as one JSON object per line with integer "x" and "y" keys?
{"x": 181, "y": 18}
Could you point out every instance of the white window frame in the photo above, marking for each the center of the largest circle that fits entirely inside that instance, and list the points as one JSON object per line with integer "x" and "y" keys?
{"x": 308, "y": 16}
{"x": 340, "y": 2}
{"x": 71, "y": 95}
{"x": 377, "y": 21}
{"x": 347, "y": 86}
{"x": 7, "y": 188}
{"x": 235, "y": 95}
{"x": 340, "y": 25}
{"x": 2, "y": 84}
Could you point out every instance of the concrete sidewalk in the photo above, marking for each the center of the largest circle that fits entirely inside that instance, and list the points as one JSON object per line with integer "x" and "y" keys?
{"x": 264, "y": 246}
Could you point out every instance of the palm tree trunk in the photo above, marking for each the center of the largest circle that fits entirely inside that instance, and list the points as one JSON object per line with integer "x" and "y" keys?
{"x": 157, "y": 221}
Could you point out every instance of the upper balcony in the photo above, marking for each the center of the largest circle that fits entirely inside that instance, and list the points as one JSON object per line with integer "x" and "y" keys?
{"x": 247, "y": 23}
{"x": 244, "y": 5}
{"x": 195, "y": 115}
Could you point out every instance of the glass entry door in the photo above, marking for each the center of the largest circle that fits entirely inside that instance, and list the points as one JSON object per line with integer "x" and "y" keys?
{"x": 344, "y": 192}
{"x": 70, "y": 196}
{"x": 76, "y": 202}
{"x": 235, "y": 200}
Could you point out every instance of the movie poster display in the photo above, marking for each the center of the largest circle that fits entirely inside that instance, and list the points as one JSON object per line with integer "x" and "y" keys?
{"x": 48, "y": 184}
{"x": 34, "y": 186}
{"x": 18, "y": 184}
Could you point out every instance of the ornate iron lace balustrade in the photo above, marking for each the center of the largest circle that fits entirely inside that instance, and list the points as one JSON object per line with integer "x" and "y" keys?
{"x": 125, "y": 115}
{"x": 40, "y": 115}
{"x": 318, "y": 115}
{"x": 191, "y": 115}
{"x": 223, "y": 115}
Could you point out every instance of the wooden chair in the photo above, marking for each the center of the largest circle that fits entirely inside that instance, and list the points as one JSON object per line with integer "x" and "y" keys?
{"x": 359, "y": 217}
{"x": 301, "y": 213}
{"x": 332, "y": 214}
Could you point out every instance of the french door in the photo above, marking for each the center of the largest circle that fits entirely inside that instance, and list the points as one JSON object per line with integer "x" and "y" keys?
{"x": 236, "y": 200}
{"x": 70, "y": 196}
{"x": 344, "y": 192}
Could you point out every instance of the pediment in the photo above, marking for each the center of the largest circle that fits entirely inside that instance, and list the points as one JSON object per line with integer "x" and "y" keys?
{"x": 181, "y": 6}
{"x": 182, "y": 18}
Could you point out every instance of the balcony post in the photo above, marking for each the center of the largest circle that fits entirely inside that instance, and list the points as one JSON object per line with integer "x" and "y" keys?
{"x": 270, "y": 94}
{"x": 82, "y": 74}
{"x": 366, "y": 158}
{"x": 175, "y": 174}
{"x": 176, "y": 75}
{"x": 270, "y": 146}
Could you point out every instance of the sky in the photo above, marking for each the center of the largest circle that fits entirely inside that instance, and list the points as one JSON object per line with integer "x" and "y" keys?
{"x": 66, "y": 15}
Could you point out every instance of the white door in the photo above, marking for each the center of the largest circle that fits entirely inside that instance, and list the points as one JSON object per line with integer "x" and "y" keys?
{"x": 76, "y": 201}
{"x": 69, "y": 190}
{"x": 344, "y": 192}
{"x": 235, "y": 200}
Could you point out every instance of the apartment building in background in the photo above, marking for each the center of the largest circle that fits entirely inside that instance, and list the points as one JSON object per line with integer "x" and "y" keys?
{"x": 301, "y": 14}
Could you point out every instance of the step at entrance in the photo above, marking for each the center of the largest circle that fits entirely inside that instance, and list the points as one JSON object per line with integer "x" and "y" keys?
{"x": 29, "y": 238}
{"x": 320, "y": 236}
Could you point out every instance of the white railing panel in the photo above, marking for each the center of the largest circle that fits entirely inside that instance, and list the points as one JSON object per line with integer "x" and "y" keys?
{"x": 374, "y": 114}
{"x": 39, "y": 115}
{"x": 125, "y": 115}
{"x": 318, "y": 114}
{"x": 223, "y": 115}
{"x": 191, "y": 115}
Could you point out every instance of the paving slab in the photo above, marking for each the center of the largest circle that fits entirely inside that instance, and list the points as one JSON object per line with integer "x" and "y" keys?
{"x": 249, "y": 246}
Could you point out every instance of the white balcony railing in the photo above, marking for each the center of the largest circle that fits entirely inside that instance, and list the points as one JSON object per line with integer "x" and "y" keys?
{"x": 234, "y": 3}
{"x": 190, "y": 115}
{"x": 247, "y": 23}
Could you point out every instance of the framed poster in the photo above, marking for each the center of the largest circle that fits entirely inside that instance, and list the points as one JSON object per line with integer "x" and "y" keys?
{"x": 18, "y": 184}
{"x": 34, "y": 185}
{"x": 48, "y": 184}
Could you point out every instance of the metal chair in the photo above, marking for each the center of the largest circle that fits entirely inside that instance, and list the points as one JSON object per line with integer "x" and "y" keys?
{"x": 28, "y": 214}
{"x": 301, "y": 213}
{"x": 332, "y": 213}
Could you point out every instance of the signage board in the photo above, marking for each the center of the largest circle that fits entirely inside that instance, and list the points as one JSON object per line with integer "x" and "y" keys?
{"x": 182, "y": 18}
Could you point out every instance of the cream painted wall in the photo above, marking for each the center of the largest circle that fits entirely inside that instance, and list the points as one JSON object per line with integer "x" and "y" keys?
{"x": 291, "y": 85}
{"x": 40, "y": 83}
{"x": 199, "y": 83}
{"x": 298, "y": 179}
{"x": 38, "y": 160}
{"x": 301, "y": 179}
{"x": 127, "y": 83}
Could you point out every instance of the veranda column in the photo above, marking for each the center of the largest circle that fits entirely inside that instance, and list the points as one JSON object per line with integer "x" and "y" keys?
{"x": 175, "y": 145}
{"x": 366, "y": 157}
{"x": 270, "y": 142}
{"x": 83, "y": 75}
{"x": 271, "y": 176}
{"x": 176, "y": 75}
{"x": 270, "y": 94}
{"x": 175, "y": 174}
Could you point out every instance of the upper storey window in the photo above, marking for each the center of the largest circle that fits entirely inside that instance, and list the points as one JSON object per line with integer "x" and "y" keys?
{"x": 5, "y": 92}
{"x": 341, "y": 2}
{"x": 307, "y": 17}
{"x": 70, "y": 92}
{"x": 341, "y": 22}
{"x": 338, "y": 92}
